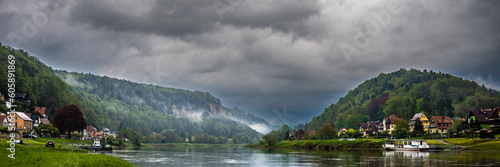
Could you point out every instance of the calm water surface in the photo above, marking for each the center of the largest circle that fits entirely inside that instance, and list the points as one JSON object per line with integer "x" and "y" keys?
{"x": 279, "y": 157}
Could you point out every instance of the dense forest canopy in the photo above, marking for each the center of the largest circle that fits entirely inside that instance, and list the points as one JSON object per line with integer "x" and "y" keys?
{"x": 115, "y": 104}
{"x": 404, "y": 93}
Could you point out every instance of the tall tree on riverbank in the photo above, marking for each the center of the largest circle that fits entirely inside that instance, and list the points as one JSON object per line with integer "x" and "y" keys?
{"x": 327, "y": 131}
{"x": 419, "y": 128}
{"x": 69, "y": 118}
{"x": 402, "y": 128}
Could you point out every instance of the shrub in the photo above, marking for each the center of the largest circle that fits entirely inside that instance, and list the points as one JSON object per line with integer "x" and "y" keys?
{"x": 308, "y": 144}
{"x": 270, "y": 139}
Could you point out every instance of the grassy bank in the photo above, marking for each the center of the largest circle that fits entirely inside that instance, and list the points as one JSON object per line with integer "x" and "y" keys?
{"x": 38, "y": 155}
{"x": 464, "y": 141}
{"x": 334, "y": 144}
{"x": 493, "y": 145}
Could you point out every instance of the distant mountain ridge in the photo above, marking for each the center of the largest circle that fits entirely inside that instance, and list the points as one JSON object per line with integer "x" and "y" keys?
{"x": 404, "y": 93}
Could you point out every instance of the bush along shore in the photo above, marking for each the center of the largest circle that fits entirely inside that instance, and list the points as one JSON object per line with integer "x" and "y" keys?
{"x": 333, "y": 144}
{"x": 34, "y": 153}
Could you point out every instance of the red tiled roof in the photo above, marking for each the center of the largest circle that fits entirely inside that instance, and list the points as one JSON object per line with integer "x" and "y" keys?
{"x": 483, "y": 115}
{"x": 439, "y": 120}
{"x": 394, "y": 119}
{"x": 41, "y": 110}
{"x": 28, "y": 114}
{"x": 100, "y": 133}
{"x": 2, "y": 117}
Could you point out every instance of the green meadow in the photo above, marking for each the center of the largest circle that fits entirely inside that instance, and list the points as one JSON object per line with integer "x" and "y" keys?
{"x": 34, "y": 153}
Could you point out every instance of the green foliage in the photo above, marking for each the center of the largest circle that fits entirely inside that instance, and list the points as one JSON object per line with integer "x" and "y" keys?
{"x": 308, "y": 144}
{"x": 270, "y": 139}
{"x": 37, "y": 80}
{"x": 39, "y": 155}
{"x": 401, "y": 129}
{"x": 456, "y": 125}
{"x": 404, "y": 93}
{"x": 327, "y": 131}
{"x": 281, "y": 133}
{"x": 245, "y": 139}
{"x": 418, "y": 130}
{"x": 115, "y": 103}
{"x": 235, "y": 140}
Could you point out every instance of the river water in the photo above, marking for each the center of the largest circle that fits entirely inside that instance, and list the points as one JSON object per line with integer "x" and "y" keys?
{"x": 280, "y": 157}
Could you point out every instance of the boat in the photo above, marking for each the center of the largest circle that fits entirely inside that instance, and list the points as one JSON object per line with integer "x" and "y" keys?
{"x": 97, "y": 146}
{"x": 408, "y": 145}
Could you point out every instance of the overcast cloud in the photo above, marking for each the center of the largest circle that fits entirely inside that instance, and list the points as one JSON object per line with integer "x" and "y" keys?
{"x": 283, "y": 60}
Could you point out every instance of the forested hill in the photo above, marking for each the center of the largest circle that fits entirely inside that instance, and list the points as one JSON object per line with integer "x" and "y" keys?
{"x": 404, "y": 93}
{"x": 116, "y": 96}
{"x": 115, "y": 104}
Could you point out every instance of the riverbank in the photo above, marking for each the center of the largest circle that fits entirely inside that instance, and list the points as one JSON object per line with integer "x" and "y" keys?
{"x": 334, "y": 144}
{"x": 34, "y": 152}
{"x": 376, "y": 144}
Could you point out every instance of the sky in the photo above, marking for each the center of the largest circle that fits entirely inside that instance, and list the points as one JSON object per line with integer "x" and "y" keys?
{"x": 282, "y": 60}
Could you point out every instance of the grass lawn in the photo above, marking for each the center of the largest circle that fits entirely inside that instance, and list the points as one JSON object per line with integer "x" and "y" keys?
{"x": 464, "y": 141}
{"x": 434, "y": 142}
{"x": 493, "y": 145}
{"x": 38, "y": 155}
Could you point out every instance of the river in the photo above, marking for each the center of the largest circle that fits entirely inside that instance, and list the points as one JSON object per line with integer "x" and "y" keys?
{"x": 240, "y": 156}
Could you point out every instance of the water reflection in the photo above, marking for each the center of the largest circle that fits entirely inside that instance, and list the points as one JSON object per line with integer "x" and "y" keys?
{"x": 238, "y": 156}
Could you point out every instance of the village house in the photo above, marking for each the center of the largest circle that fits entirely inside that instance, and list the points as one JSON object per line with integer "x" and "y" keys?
{"x": 423, "y": 118}
{"x": 23, "y": 123}
{"x": 480, "y": 119}
{"x": 41, "y": 110}
{"x": 22, "y": 98}
{"x": 440, "y": 124}
{"x": 369, "y": 128}
{"x": 495, "y": 120}
{"x": 89, "y": 133}
{"x": 390, "y": 123}
{"x": 3, "y": 120}
{"x": 341, "y": 131}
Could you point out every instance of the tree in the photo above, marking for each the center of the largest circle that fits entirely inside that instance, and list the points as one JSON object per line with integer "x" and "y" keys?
{"x": 270, "y": 139}
{"x": 110, "y": 139}
{"x": 456, "y": 125}
{"x": 69, "y": 118}
{"x": 235, "y": 139}
{"x": 135, "y": 137}
{"x": 245, "y": 139}
{"x": 401, "y": 129}
{"x": 419, "y": 128}
{"x": 327, "y": 131}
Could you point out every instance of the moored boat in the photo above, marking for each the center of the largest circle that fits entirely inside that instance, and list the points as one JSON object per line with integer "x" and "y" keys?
{"x": 408, "y": 145}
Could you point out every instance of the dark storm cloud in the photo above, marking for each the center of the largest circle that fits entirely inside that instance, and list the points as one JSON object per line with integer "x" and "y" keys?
{"x": 181, "y": 17}
{"x": 261, "y": 55}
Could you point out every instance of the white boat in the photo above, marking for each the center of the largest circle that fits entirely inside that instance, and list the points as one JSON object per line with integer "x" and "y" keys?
{"x": 407, "y": 145}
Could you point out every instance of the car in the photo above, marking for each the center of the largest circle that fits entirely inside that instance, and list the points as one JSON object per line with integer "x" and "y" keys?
{"x": 50, "y": 143}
